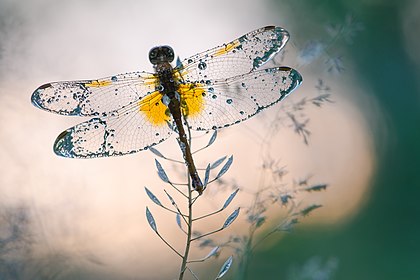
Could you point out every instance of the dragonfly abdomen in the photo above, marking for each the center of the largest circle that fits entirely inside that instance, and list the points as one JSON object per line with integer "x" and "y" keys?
{"x": 168, "y": 87}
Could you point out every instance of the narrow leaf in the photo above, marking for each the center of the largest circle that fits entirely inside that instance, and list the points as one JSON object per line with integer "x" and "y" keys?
{"x": 309, "y": 209}
{"x": 170, "y": 198}
{"x": 207, "y": 175}
{"x": 151, "y": 220}
{"x": 178, "y": 220}
{"x": 225, "y": 167}
{"x": 225, "y": 268}
{"x": 206, "y": 243}
{"x": 217, "y": 162}
{"x": 260, "y": 221}
{"x": 285, "y": 199}
{"x": 212, "y": 253}
{"x": 156, "y": 152}
{"x": 153, "y": 197}
{"x": 316, "y": 188}
{"x": 161, "y": 172}
{"x": 230, "y": 198}
{"x": 287, "y": 226}
{"x": 231, "y": 218}
{"x": 212, "y": 138}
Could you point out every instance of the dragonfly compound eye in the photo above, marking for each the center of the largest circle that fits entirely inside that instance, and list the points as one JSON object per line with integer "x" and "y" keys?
{"x": 161, "y": 54}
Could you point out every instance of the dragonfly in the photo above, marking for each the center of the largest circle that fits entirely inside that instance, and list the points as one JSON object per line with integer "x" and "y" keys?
{"x": 134, "y": 111}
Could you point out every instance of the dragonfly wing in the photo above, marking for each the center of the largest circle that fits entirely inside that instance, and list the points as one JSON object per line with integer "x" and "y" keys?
{"x": 94, "y": 97}
{"x": 240, "y": 56}
{"x": 131, "y": 129}
{"x": 230, "y": 101}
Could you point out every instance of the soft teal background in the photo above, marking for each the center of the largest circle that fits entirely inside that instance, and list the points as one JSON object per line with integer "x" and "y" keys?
{"x": 383, "y": 240}
{"x": 380, "y": 241}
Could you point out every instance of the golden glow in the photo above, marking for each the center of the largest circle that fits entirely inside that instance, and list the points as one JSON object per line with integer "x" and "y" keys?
{"x": 227, "y": 48}
{"x": 154, "y": 109}
{"x": 192, "y": 101}
{"x": 98, "y": 83}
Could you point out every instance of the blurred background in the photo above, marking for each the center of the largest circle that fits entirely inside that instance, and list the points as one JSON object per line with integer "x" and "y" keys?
{"x": 84, "y": 219}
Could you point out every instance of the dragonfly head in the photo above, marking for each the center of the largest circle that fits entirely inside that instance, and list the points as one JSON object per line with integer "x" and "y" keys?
{"x": 161, "y": 54}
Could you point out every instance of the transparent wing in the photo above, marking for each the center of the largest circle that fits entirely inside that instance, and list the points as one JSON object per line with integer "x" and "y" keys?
{"x": 128, "y": 130}
{"x": 229, "y": 101}
{"x": 240, "y": 56}
{"x": 94, "y": 97}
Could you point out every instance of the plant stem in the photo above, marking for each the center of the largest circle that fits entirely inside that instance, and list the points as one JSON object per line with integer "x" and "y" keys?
{"x": 189, "y": 232}
{"x": 246, "y": 256}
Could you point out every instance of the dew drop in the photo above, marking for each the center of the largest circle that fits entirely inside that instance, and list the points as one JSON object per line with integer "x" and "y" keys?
{"x": 241, "y": 112}
{"x": 202, "y": 65}
{"x": 214, "y": 96}
{"x": 243, "y": 85}
{"x": 229, "y": 101}
{"x": 211, "y": 89}
{"x": 114, "y": 78}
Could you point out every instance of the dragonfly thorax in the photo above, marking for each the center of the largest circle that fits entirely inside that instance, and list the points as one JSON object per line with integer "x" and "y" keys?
{"x": 161, "y": 54}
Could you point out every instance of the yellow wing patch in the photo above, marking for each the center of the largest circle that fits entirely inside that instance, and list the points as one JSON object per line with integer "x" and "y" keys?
{"x": 98, "y": 83}
{"x": 227, "y": 48}
{"x": 154, "y": 109}
{"x": 192, "y": 101}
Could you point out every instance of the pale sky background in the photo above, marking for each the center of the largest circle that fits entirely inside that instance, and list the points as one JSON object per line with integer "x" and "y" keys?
{"x": 84, "y": 210}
